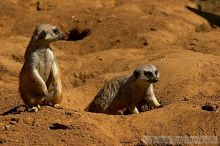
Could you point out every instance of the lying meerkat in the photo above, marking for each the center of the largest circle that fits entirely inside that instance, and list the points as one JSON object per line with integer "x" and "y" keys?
{"x": 126, "y": 91}
{"x": 39, "y": 80}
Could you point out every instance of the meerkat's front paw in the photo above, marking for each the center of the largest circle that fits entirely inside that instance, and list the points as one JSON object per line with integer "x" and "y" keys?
{"x": 154, "y": 102}
{"x": 161, "y": 105}
{"x": 45, "y": 93}
{"x": 157, "y": 105}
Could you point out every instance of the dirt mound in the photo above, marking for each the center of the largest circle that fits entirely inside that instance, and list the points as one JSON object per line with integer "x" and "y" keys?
{"x": 107, "y": 39}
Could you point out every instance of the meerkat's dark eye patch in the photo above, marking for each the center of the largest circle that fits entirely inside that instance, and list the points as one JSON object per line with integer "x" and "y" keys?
{"x": 56, "y": 31}
{"x": 156, "y": 72}
{"x": 136, "y": 74}
{"x": 148, "y": 73}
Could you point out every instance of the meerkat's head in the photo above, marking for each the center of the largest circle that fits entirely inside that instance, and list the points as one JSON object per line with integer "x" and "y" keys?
{"x": 146, "y": 73}
{"x": 47, "y": 33}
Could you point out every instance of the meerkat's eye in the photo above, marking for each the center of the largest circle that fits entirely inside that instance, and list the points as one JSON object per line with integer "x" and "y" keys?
{"x": 156, "y": 72}
{"x": 148, "y": 73}
{"x": 56, "y": 31}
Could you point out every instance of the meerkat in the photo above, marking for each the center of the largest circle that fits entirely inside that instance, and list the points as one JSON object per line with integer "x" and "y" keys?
{"x": 125, "y": 92}
{"x": 39, "y": 79}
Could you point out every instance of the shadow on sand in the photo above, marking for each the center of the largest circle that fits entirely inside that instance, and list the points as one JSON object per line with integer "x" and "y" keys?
{"x": 16, "y": 110}
{"x": 213, "y": 19}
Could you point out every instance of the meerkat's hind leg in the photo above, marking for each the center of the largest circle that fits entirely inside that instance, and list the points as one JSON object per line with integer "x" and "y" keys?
{"x": 123, "y": 111}
{"x": 34, "y": 108}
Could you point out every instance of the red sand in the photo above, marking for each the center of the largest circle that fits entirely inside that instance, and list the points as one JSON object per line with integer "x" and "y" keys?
{"x": 123, "y": 34}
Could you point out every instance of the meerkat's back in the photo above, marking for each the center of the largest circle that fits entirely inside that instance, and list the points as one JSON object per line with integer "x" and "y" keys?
{"x": 106, "y": 95}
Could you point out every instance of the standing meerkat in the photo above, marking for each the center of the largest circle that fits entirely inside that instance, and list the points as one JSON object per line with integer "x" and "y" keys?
{"x": 126, "y": 91}
{"x": 39, "y": 80}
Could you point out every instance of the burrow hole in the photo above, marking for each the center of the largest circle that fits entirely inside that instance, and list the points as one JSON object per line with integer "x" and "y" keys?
{"x": 78, "y": 34}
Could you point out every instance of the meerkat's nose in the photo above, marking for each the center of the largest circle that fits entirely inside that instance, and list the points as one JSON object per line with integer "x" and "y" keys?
{"x": 65, "y": 36}
{"x": 154, "y": 80}
{"x": 61, "y": 36}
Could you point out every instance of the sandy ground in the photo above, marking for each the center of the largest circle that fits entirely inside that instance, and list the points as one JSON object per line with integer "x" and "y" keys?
{"x": 107, "y": 39}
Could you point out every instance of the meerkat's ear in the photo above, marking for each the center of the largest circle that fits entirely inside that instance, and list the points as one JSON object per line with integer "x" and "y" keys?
{"x": 42, "y": 35}
{"x": 136, "y": 73}
{"x": 158, "y": 74}
{"x": 39, "y": 36}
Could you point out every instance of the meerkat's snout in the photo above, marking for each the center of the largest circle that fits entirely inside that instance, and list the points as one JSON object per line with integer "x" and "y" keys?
{"x": 152, "y": 76}
{"x": 59, "y": 35}
{"x": 53, "y": 35}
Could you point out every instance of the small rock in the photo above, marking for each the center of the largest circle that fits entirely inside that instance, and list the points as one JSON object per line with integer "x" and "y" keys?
{"x": 13, "y": 122}
{"x": 50, "y": 7}
{"x": 2, "y": 141}
{"x": 87, "y": 11}
{"x": 58, "y": 126}
{"x": 68, "y": 113}
{"x": 210, "y": 107}
{"x": 113, "y": 16}
{"x": 145, "y": 43}
{"x": 15, "y": 119}
{"x": 100, "y": 59}
{"x": 185, "y": 99}
{"x": 2, "y": 126}
{"x": 202, "y": 28}
{"x": 7, "y": 127}
{"x": 153, "y": 29}
{"x": 100, "y": 20}
{"x": 39, "y": 6}
{"x": 141, "y": 143}
{"x": 193, "y": 42}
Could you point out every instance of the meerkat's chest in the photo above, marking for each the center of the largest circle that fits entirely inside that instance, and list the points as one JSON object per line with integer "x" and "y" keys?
{"x": 48, "y": 56}
{"x": 45, "y": 63}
